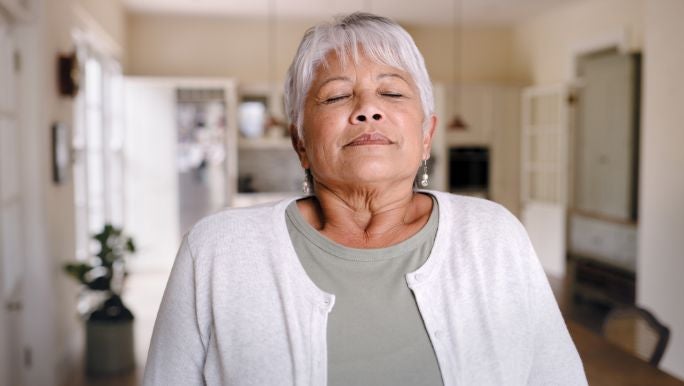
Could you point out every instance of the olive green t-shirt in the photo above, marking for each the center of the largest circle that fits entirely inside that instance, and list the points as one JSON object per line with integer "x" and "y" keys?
{"x": 375, "y": 332}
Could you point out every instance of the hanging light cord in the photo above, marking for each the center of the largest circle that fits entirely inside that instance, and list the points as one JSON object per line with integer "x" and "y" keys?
{"x": 458, "y": 35}
{"x": 458, "y": 122}
{"x": 271, "y": 38}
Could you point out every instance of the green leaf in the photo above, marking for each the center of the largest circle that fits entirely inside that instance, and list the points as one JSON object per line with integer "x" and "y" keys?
{"x": 114, "y": 245}
{"x": 130, "y": 245}
{"x": 78, "y": 271}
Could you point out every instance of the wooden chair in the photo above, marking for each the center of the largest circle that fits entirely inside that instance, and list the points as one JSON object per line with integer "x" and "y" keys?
{"x": 637, "y": 331}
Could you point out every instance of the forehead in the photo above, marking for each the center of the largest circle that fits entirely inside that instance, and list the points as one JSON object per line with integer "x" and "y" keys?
{"x": 335, "y": 63}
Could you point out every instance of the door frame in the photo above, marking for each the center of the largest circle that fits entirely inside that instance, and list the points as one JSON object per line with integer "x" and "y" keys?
{"x": 10, "y": 279}
{"x": 615, "y": 40}
{"x": 35, "y": 335}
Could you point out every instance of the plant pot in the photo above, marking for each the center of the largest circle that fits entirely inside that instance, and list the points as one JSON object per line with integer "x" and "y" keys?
{"x": 109, "y": 347}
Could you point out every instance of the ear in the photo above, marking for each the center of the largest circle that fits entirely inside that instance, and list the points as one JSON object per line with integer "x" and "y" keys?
{"x": 428, "y": 135}
{"x": 298, "y": 146}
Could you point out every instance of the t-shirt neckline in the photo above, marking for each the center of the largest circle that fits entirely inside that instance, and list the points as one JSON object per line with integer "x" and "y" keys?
{"x": 429, "y": 230}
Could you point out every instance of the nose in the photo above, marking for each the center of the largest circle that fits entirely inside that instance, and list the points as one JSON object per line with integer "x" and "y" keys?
{"x": 362, "y": 117}
{"x": 366, "y": 110}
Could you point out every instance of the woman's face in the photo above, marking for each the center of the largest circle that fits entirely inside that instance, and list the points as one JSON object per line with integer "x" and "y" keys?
{"x": 363, "y": 124}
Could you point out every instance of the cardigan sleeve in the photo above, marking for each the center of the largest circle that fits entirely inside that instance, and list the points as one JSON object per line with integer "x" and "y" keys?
{"x": 555, "y": 360}
{"x": 177, "y": 352}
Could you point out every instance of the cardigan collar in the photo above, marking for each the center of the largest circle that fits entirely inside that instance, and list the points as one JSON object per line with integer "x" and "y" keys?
{"x": 325, "y": 301}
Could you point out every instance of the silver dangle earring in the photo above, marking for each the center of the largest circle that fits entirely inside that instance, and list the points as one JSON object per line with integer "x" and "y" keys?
{"x": 424, "y": 179}
{"x": 306, "y": 185}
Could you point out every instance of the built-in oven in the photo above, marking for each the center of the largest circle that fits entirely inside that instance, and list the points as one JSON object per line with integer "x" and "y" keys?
{"x": 469, "y": 170}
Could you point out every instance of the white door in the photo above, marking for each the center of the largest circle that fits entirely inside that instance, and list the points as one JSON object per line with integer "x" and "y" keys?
{"x": 605, "y": 141}
{"x": 151, "y": 204}
{"x": 603, "y": 212}
{"x": 151, "y": 163}
{"x": 12, "y": 254}
{"x": 544, "y": 170}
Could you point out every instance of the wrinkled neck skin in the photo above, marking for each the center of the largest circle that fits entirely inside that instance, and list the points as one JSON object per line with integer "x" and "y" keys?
{"x": 369, "y": 216}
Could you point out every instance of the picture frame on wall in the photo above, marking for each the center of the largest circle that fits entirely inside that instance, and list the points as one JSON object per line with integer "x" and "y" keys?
{"x": 60, "y": 152}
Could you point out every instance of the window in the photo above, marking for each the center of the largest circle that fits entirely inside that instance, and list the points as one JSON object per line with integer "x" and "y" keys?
{"x": 98, "y": 144}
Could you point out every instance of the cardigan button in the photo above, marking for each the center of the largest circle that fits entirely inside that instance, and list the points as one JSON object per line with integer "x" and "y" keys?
{"x": 418, "y": 277}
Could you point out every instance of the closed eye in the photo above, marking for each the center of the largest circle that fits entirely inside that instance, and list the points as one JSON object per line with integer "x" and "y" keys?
{"x": 334, "y": 99}
{"x": 392, "y": 94}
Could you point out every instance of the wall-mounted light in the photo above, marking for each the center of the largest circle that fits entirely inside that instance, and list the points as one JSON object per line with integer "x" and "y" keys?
{"x": 68, "y": 74}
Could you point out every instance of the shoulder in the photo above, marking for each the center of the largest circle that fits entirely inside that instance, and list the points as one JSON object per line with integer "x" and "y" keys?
{"x": 482, "y": 239}
{"x": 235, "y": 227}
{"x": 480, "y": 233}
{"x": 464, "y": 212}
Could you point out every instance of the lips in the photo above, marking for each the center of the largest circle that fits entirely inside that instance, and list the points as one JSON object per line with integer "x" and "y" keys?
{"x": 370, "y": 139}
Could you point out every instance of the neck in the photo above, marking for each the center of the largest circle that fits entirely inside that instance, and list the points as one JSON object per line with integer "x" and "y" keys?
{"x": 367, "y": 217}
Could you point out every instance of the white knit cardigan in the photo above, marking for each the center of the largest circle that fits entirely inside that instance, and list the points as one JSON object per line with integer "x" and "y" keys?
{"x": 239, "y": 309}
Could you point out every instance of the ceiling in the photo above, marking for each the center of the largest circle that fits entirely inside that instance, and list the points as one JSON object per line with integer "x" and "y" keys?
{"x": 497, "y": 12}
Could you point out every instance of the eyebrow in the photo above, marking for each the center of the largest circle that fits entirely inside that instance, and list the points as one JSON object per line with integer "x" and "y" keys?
{"x": 379, "y": 77}
{"x": 392, "y": 75}
{"x": 334, "y": 78}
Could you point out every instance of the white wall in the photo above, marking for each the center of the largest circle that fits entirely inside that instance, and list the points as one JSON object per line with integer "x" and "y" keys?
{"x": 168, "y": 45}
{"x": 50, "y": 325}
{"x": 486, "y": 53}
{"x": 39, "y": 311}
{"x": 661, "y": 245}
{"x": 203, "y": 46}
{"x": 543, "y": 45}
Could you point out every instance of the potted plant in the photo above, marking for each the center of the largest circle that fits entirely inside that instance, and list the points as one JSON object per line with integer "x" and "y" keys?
{"x": 109, "y": 323}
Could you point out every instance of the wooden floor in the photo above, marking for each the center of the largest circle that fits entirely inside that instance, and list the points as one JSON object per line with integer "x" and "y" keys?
{"x": 146, "y": 290}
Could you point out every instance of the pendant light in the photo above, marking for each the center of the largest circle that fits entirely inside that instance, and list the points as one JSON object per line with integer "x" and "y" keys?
{"x": 457, "y": 122}
{"x": 271, "y": 122}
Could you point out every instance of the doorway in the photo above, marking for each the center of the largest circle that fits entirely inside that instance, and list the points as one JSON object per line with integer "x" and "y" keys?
{"x": 201, "y": 153}
{"x": 180, "y": 139}
{"x": 12, "y": 254}
{"x": 180, "y": 147}
{"x": 602, "y": 226}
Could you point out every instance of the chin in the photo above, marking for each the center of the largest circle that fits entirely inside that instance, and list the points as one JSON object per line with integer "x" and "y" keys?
{"x": 371, "y": 174}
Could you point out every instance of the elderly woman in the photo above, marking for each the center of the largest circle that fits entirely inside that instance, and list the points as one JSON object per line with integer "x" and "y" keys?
{"x": 366, "y": 281}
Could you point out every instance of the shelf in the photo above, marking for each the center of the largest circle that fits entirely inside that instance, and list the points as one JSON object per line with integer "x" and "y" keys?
{"x": 283, "y": 143}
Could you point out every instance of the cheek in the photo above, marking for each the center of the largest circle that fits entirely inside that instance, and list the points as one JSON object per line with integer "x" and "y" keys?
{"x": 412, "y": 128}
{"x": 324, "y": 127}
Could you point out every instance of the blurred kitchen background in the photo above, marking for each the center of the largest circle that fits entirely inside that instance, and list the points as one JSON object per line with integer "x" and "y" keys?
{"x": 149, "y": 114}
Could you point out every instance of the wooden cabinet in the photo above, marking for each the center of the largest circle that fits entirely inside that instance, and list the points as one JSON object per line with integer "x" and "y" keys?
{"x": 601, "y": 282}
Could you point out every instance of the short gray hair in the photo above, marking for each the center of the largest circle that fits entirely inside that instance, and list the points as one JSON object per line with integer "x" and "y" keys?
{"x": 380, "y": 38}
